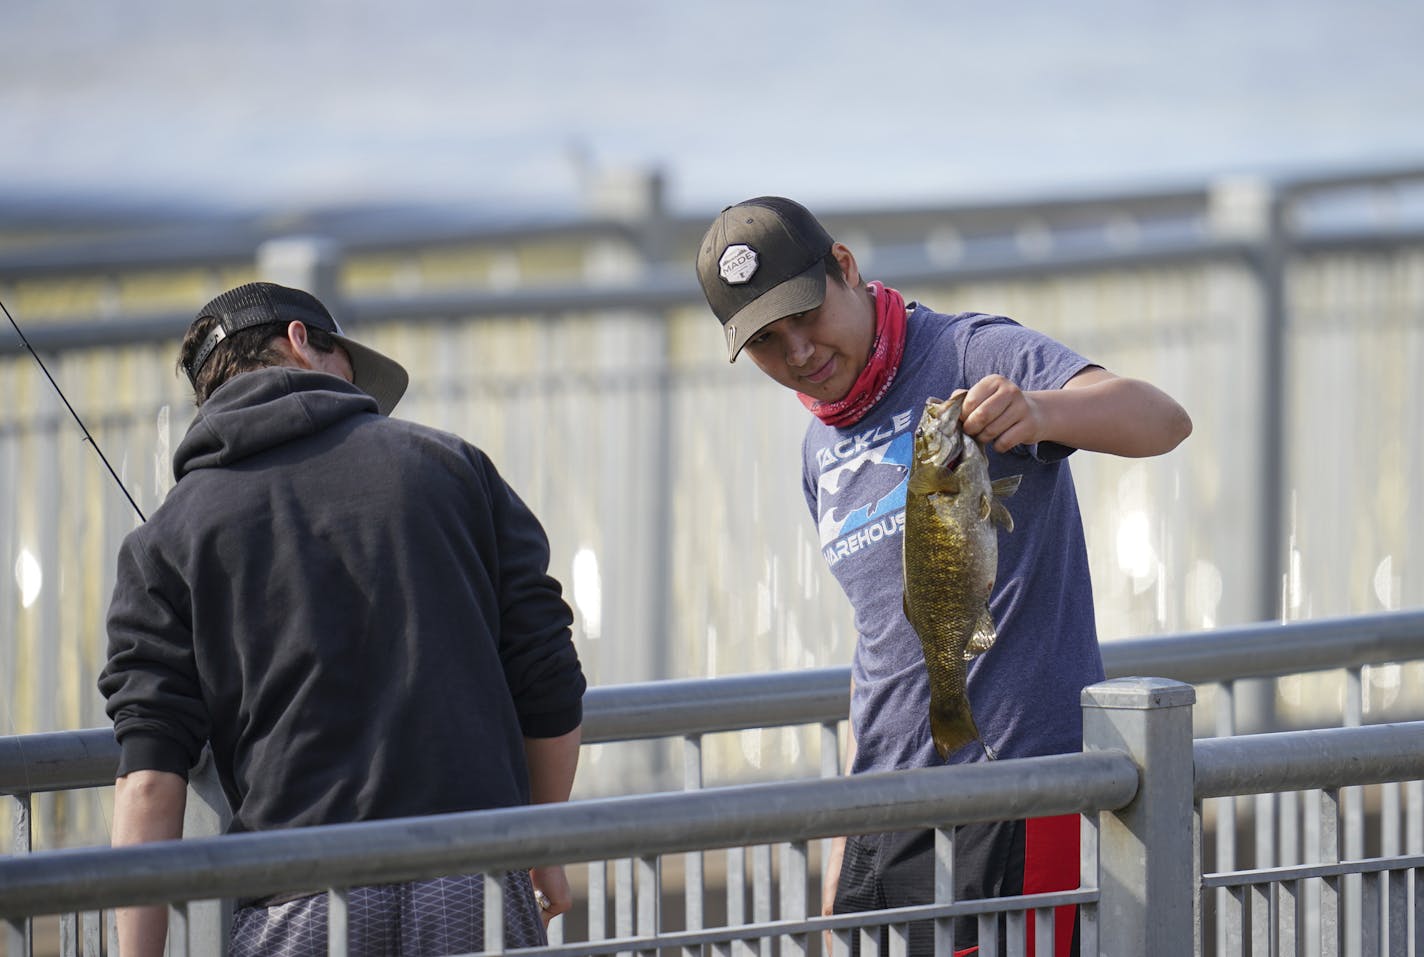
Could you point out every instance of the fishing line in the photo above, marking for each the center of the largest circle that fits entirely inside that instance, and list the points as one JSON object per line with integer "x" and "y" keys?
{"x": 9, "y": 716}
{"x": 87, "y": 437}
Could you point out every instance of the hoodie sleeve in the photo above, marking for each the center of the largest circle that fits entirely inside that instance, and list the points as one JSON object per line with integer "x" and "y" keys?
{"x": 536, "y": 646}
{"x": 150, "y": 681}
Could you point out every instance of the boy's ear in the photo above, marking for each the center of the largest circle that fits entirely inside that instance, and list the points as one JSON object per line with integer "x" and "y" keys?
{"x": 298, "y": 345}
{"x": 297, "y": 334}
{"x": 846, "y": 258}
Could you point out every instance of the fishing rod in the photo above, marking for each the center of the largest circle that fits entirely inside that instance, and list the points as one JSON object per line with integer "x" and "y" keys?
{"x": 87, "y": 437}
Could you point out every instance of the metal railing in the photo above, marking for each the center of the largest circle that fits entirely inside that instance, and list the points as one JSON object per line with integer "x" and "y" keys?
{"x": 690, "y": 710}
{"x": 1139, "y": 784}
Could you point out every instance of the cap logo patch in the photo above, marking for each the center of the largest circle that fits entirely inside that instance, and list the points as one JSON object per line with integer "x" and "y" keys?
{"x": 738, "y": 264}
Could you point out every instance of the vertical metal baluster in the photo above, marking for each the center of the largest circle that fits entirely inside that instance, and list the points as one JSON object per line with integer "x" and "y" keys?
{"x": 1391, "y": 836}
{"x": 794, "y": 863}
{"x": 1263, "y": 920}
{"x": 693, "y": 890}
{"x": 1395, "y": 893}
{"x": 1088, "y": 880}
{"x": 737, "y": 891}
{"x": 91, "y": 929}
{"x": 1288, "y": 917}
{"x": 1265, "y": 831}
{"x": 1416, "y": 912}
{"x": 338, "y": 922}
{"x": 988, "y": 925}
{"x": 178, "y": 929}
{"x": 1370, "y": 903}
{"x": 650, "y": 893}
{"x": 870, "y": 942}
{"x": 623, "y": 897}
{"x": 899, "y": 940}
{"x": 20, "y": 930}
{"x": 1043, "y": 930}
{"x": 1352, "y": 800}
{"x": 944, "y": 888}
{"x": 1328, "y": 816}
{"x": 597, "y": 900}
{"x": 1225, "y": 810}
{"x": 761, "y": 891}
{"x": 830, "y": 768}
{"x": 1290, "y": 829}
{"x": 1414, "y": 819}
{"x": 494, "y": 913}
{"x": 1413, "y": 845}
{"x": 69, "y": 935}
{"x": 1016, "y": 929}
{"x": 1232, "y": 919}
{"x": 1311, "y": 889}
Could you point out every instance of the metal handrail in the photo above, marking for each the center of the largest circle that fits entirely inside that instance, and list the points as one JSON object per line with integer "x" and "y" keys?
{"x": 1299, "y": 760}
{"x": 657, "y": 290}
{"x": 61, "y": 760}
{"x": 402, "y": 849}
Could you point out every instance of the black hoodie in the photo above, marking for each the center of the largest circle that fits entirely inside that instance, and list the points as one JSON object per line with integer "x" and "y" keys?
{"x": 354, "y": 610}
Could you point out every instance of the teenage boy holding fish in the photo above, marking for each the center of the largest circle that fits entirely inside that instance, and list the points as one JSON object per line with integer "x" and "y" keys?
{"x": 865, "y": 363}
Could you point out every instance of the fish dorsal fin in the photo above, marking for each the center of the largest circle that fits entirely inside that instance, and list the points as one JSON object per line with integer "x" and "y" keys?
{"x": 1006, "y": 486}
{"x": 983, "y": 638}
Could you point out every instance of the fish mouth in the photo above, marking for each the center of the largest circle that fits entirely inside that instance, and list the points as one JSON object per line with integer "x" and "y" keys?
{"x": 945, "y": 449}
{"x": 944, "y": 439}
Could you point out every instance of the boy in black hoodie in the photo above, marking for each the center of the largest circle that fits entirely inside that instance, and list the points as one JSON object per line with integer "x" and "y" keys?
{"x": 355, "y": 612}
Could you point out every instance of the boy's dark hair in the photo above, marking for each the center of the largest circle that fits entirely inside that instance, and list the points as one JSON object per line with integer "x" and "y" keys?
{"x": 243, "y": 351}
{"x": 833, "y": 267}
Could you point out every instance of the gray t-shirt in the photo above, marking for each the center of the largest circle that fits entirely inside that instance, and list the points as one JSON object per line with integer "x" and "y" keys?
{"x": 1025, "y": 690}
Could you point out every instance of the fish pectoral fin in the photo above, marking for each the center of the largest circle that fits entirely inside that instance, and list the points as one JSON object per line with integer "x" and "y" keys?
{"x": 986, "y": 506}
{"x": 1006, "y": 486}
{"x": 983, "y": 638}
{"x": 1000, "y": 516}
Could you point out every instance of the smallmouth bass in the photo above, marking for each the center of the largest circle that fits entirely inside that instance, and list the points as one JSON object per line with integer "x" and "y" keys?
{"x": 951, "y": 554}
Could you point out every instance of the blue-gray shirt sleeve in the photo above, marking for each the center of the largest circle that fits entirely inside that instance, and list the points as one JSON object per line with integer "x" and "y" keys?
{"x": 1029, "y": 359}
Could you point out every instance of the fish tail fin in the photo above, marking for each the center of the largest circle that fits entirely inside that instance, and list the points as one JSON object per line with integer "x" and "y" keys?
{"x": 952, "y": 726}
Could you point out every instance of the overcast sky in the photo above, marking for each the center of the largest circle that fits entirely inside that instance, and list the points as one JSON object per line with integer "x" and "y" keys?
{"x": 292, "y": 102}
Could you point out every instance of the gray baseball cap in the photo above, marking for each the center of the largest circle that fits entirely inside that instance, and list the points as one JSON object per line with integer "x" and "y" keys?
{"x": 760, "y": 261}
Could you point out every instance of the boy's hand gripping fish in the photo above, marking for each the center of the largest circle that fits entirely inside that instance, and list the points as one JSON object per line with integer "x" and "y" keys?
{"x": 951, "y": 557}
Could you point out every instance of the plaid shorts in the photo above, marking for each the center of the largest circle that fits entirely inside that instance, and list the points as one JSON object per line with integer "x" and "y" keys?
{"x": 441, "y": 916}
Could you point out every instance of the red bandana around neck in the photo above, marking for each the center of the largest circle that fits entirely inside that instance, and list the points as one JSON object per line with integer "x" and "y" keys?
{"x": 874, "y": 380}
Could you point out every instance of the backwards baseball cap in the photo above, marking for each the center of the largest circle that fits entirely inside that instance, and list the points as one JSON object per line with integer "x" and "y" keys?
{"x": 762, "y": 260}
{"x": 266, "y": 303}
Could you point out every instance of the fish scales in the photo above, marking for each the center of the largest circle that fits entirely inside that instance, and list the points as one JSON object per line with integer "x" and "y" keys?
{"x": 952, "y": 516}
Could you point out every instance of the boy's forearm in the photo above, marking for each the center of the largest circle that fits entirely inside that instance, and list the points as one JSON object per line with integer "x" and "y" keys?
{"x": 1100, "y": 412}
{"x": 552, "y": 763}
{"x": 148, "y": 806}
